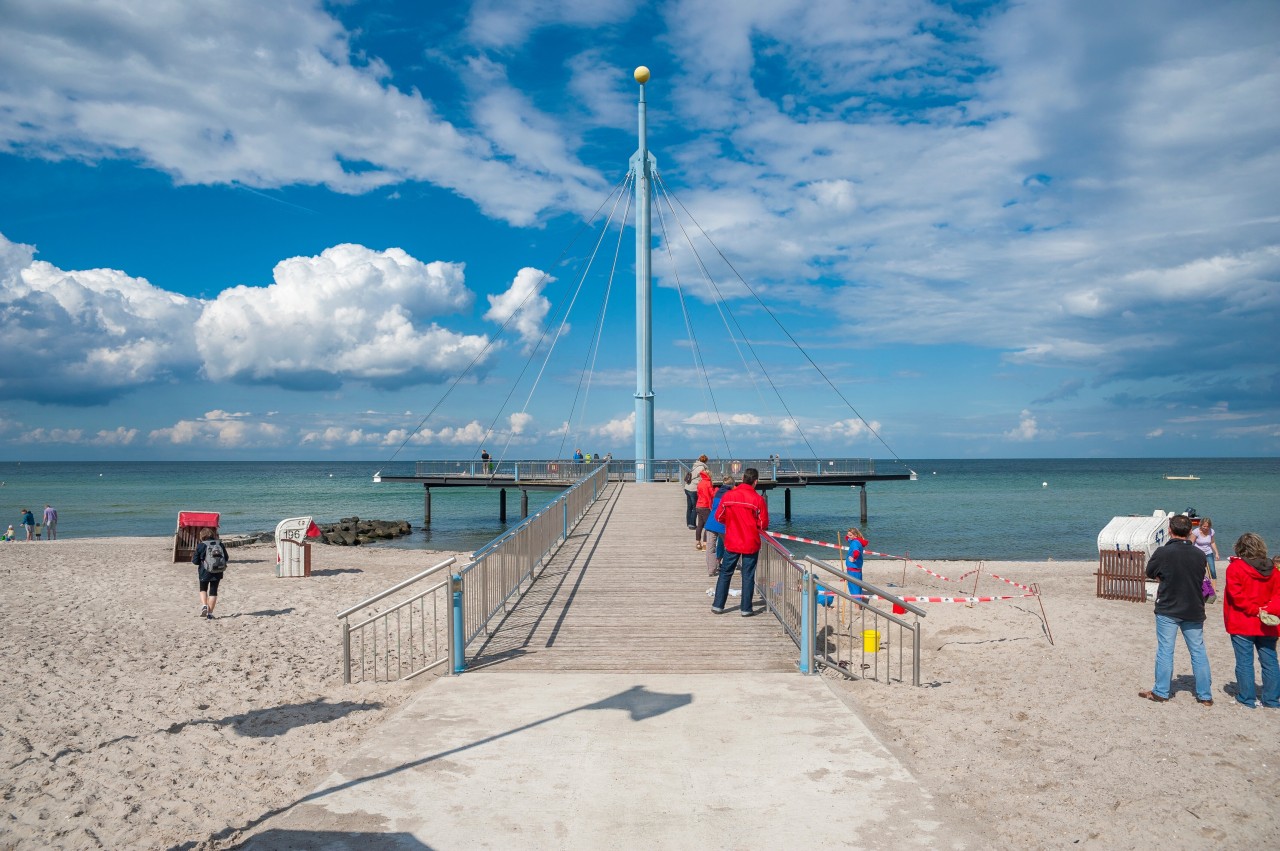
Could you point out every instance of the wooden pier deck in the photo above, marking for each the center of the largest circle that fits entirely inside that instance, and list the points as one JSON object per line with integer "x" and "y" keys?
{"x": 627, "y": 593}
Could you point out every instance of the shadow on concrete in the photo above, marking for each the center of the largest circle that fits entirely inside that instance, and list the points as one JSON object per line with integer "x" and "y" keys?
{"x": 640, "y": 703}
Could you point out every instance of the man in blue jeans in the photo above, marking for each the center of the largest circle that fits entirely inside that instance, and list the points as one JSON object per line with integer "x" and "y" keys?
{"x": 745, "y": 515}
{"x": 1180, "y": 567}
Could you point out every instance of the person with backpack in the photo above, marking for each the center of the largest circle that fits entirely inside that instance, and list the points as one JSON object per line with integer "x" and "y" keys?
{"x": 211, "y": 558}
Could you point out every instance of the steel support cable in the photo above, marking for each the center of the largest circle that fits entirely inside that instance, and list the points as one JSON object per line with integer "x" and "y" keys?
{"x": 502, "y": 329}
{"x": 560, "y": 329}
{"x": 586, "y": 269}
{"x": 588, "y": 371}
{"x": 699, "y": 364}
{"x": 793, "y": 340}
{"x": 722, "y": 307}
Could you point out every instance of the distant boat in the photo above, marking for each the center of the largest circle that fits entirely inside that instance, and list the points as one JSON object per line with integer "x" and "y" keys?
{"x": 1183, "y": 478}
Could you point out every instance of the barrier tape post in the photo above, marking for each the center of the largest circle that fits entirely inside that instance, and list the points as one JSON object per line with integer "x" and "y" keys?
{"x": 977, "y": 574}
{"x": 1045, "y": 617}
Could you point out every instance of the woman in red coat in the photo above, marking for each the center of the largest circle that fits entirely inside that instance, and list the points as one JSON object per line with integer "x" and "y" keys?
{"x": 1252, "y": 583}
{"x": 702, "y": 508}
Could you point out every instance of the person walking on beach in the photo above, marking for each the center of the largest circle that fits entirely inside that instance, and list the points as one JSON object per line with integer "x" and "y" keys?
{"x": 702, "y": 509}
{"x": 1252, "y": 583}
{"x": 29, "y": 523}
{"x": 50, "y": 522}
{"x": 211, "y": 558}
{"x": 1202, "y": 536}
{"x": 745, "y": 515}
{"x": 1180, "y": 567}
{"x": 715, "y": 546}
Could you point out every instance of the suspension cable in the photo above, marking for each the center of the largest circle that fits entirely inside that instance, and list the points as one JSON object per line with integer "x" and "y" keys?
{"x": 723, "y": 308}
{"x": 789, "y": 335}
{"x": 699, "y": 364}
{"x": 564, "y": 319}
{"x": 588, "y": 371}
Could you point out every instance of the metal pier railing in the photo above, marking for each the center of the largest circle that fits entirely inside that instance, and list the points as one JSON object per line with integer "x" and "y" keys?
{"x": 847, "y": 632}
{"x": 410, "y": 637}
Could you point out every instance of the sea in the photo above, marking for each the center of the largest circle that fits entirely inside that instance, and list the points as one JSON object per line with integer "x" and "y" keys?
{"x": 993, "y": 509}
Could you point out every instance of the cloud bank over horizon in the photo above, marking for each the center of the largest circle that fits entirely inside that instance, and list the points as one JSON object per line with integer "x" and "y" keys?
{"x": 1005, "y": 227}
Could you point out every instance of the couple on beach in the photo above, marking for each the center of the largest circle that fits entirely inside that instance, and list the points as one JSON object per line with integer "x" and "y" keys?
{"x": 1251, "y": 612}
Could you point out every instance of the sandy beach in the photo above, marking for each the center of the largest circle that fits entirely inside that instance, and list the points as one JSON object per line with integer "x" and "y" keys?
{"x": 128, "y": 722}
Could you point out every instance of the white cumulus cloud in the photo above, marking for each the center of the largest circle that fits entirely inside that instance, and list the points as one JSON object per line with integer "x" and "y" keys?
{"x": 350, "y": 314}
{"x": 84, "y": 337}
{"x": 1026, "y": 429}
{"x": 522, "y": 301}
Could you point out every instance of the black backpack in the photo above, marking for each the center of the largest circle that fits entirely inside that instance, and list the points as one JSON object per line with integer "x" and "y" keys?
{"x": 215, "y": 557}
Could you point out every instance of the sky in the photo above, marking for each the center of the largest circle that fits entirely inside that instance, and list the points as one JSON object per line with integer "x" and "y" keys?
{"x": 386, "y": 230}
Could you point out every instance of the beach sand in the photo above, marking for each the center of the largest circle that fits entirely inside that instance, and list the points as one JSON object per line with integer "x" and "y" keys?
{"x": 128, "y": 722}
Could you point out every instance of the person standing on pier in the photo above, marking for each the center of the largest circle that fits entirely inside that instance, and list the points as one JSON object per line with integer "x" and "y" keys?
{"x": 702, "y": 509}
{"x": 691, "y": 491}
{"x": 715, "y": 546}
{"x": 1180, "y": 567}
{"x": 745, "y": 515}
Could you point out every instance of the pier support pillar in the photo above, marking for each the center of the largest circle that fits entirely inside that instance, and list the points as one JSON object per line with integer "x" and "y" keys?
{"x": 862, "y": 503}
{"x": 786, "y": 504}
{"x": 426, "y": 505}
{"x": 524, "y": 503}
{"x": 502, "y": 505}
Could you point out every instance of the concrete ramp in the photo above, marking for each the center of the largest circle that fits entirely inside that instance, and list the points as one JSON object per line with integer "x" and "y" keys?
{"x": 562, "y": 760}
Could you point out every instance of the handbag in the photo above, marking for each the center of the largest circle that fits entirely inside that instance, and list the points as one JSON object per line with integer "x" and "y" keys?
{"x": 1206, "y": 588}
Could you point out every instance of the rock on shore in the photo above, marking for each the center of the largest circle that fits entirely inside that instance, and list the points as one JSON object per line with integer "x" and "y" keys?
{"x": 351, "y": 531}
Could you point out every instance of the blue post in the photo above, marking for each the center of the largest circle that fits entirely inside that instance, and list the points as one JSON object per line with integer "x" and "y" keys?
{"x": 807, "y": 616}
{"x": 642, "y": 167}
{"x": 458, "y": 664}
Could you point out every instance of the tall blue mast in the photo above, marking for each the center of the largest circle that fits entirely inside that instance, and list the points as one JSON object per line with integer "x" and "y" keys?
{"x": 642, "y": 167}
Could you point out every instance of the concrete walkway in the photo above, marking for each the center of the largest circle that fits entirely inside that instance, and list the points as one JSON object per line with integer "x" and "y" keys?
{"x": 590, "y": 760}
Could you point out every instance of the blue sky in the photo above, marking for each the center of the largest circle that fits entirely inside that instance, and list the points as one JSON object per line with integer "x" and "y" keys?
{"x": 246, "y": 230}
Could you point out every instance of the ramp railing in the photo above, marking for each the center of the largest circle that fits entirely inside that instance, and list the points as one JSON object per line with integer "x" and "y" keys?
{"x": 847, "y": 632}
{"x": 498, "y": 572}
{"x": 410, "y": 637}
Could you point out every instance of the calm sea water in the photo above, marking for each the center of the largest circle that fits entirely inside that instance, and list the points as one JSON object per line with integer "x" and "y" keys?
{"x": 1024, "y": 509}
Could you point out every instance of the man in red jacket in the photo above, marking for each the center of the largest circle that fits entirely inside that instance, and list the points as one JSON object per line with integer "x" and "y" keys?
{"x": 744, "y": 514}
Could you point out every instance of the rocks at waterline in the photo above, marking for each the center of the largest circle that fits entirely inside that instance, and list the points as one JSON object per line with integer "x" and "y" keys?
{"x": 352, "y": 531}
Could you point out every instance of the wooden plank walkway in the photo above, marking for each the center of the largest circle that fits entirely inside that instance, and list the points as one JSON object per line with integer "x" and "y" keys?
{"x": 627, "y": 593}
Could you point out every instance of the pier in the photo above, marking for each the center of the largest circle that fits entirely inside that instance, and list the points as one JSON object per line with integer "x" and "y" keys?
{"x": 558, "y": 475}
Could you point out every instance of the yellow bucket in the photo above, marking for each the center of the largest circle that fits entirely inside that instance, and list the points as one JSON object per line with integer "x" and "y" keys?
{"x": 870, "y": 640}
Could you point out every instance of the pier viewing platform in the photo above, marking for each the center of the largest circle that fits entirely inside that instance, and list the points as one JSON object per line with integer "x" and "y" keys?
{"x": 503, "y": 475}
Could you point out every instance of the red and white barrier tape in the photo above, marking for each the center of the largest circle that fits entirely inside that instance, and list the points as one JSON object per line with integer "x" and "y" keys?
{"x": 870, "y": 597}
{"x": 932, "y": 573}
{"x": 803, "y": 540}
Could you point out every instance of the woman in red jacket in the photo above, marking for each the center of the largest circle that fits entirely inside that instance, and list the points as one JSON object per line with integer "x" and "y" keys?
{"x": 1252, "y": 583}
{"x": 702, "y": 508}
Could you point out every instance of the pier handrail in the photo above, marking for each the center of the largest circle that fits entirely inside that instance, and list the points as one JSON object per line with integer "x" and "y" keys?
{"x": 790, "y": 587}
{"x": 394, "y": 588}
{"x": 408, "y": 639}
{"x": 842, "y": 661}
{"x": 498, "y": 571}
